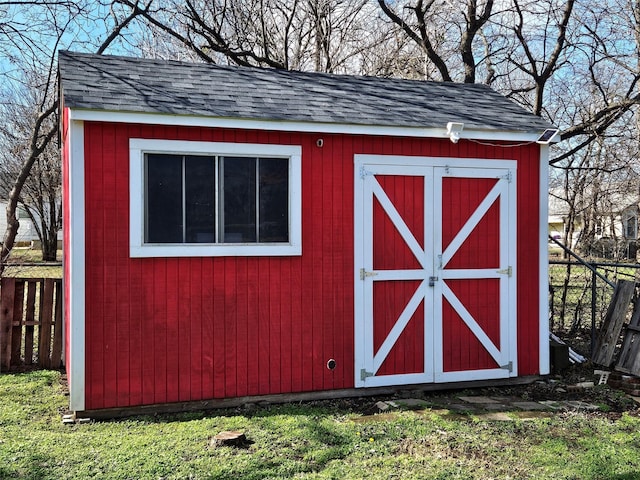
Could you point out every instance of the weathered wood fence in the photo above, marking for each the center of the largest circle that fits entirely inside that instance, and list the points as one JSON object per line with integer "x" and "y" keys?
{"x": 31, "y": 322}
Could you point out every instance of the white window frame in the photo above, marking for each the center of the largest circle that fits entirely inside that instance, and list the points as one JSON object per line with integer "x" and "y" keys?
{"x": 139, "y": 147}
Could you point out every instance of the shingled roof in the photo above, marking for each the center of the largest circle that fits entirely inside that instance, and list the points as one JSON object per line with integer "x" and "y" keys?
{"x": 123, "y": 84}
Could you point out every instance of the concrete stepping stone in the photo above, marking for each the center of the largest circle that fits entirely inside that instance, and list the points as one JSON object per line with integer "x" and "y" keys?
{"x": 553, "y": 404}
{"x": 496, "y": 406}
{"x": 506, "y": 399}
{"x": 529, "y": 406}
{"x": 411, "y": 403}
{"x": 460, "y": 407}
{"x": 579, "y": 405}
{"x": 478, "y": 400}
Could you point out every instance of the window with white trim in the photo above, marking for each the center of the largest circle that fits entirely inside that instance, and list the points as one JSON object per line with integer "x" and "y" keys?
{"x": 214, "y": 199}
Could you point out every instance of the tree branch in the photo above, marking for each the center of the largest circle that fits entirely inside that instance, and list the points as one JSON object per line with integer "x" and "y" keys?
{"x": 421, "y": 40}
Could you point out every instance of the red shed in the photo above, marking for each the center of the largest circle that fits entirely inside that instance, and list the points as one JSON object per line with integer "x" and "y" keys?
{"x": 234, "y": 232}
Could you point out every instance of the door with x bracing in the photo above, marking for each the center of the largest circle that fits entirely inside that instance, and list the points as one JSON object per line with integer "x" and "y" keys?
{"x": 435, "y": 270}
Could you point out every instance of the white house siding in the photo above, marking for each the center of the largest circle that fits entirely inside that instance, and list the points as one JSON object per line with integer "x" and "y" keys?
{"x": 26, "y": 231}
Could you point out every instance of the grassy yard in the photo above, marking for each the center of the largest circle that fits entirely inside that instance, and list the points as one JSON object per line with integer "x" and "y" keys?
{"x": 27, "y": 263}
{"x": 306, "y": 441}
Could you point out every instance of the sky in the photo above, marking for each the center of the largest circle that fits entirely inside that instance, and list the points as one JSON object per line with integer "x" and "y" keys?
{"x": 30, "y": 34}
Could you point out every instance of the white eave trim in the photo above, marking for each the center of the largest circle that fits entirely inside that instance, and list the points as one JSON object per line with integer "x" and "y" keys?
{"x": 307, "y": 127}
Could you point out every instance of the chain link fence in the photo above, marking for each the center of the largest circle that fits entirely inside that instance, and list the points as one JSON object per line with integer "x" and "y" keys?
{"x": 579, "y": 295}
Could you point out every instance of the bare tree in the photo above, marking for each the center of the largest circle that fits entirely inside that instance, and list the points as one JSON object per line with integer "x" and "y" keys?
{"x": 447, "y": 35}
{"x": 30, "y": 35}
{"x": 40, "y": 196}
{"x": 594, "y": 95}
{"x": 541, "y": 48}
{"x": 321, "y": 35}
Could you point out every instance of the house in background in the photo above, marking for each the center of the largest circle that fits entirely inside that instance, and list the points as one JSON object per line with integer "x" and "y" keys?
{"x": 282, "y": 232}
{"x": 611, "y": 230}
{"x": 26, "y": 232}
{"x": 629, "y": 230}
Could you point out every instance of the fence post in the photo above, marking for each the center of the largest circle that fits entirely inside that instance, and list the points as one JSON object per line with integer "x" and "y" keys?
{"x": 6, "y": 321}
{"x": 613, "y": 322}
{"x": 46, "y": 318}
{"x": 594, "y": 292}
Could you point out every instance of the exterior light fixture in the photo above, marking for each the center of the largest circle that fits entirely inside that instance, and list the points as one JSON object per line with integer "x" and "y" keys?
{"x": 453, "y": 130}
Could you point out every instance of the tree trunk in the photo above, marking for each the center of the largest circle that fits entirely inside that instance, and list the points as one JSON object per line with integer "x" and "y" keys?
{"x": 38, "y": 144}
{"x": 50, "y": 248}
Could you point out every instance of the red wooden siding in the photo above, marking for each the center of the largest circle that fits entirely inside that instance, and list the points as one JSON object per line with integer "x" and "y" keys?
{"x": 164, "y": 330}
{"x": 460, "y": 198}
{"x": 407, "y": 354}
{"x": 465, "y": 352}
{"x": 528, "y": 260}
{"x": 390, "y": 251}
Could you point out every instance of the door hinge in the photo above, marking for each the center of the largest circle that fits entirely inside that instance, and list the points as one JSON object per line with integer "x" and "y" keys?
{"x": 364, "y": 374}
{"x": 364, "y": 274}
{"x": 506, "y": 271}
{"x": 508, "y": 366}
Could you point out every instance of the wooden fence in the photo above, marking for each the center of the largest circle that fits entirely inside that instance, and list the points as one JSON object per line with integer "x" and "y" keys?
{"x": 31, "y": 322}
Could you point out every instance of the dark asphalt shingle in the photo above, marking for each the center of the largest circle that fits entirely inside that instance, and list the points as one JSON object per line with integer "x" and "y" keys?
{"x": 122, "y": 84}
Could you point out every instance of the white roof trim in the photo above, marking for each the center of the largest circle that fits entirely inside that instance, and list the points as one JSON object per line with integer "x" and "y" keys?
{"x": 307, "y": 127}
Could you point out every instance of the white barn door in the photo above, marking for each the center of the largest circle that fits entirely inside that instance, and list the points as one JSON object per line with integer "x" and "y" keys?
{"x": 435, "y": 270}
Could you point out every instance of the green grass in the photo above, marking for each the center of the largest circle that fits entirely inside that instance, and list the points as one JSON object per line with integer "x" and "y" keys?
{"x": 26, "y": 262}
{"x": 324, "y": 440}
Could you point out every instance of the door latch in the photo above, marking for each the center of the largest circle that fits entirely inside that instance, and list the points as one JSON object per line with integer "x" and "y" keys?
{"x": 432, "y": 281}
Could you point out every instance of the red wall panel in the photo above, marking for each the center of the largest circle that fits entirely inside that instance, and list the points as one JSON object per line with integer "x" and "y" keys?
{"x": 163, "y": 330}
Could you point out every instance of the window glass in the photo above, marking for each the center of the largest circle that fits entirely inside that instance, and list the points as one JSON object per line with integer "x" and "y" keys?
{"x": 239, "y": 191}
{"x": 208, "y": 199}
{"x": 164, "y": 199}
{"x": 200, "y": 201}
{"x": 274, "y": 200}
{"x": 22, "y": 213}
{"x": 631, "y": 227}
